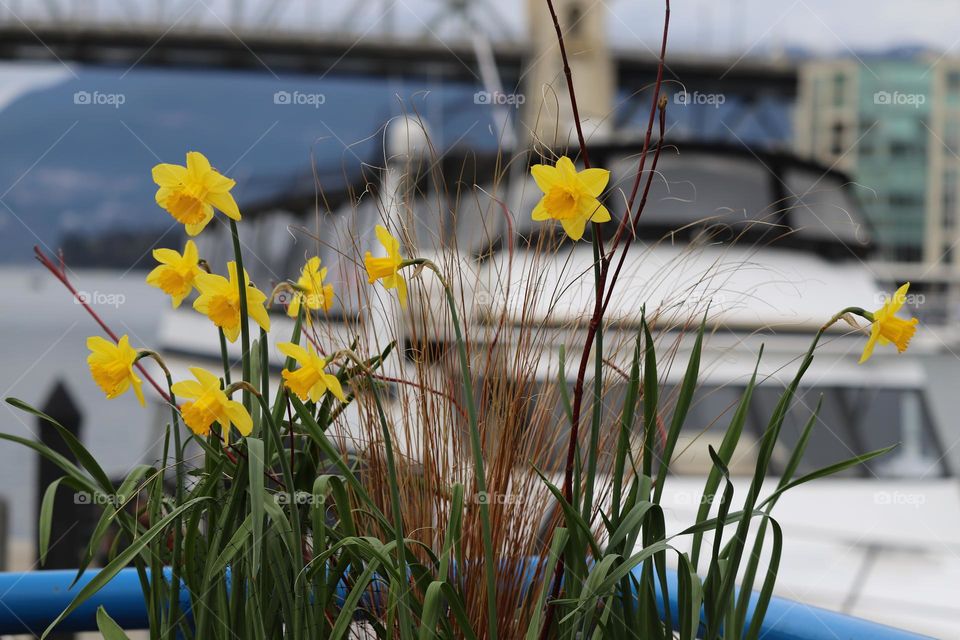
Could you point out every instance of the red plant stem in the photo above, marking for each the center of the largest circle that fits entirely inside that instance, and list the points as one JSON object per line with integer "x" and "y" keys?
{"x": 600, "y": 305}
{"x": 569, "y": 76}
{"x": 60, "y": 273}
{"x": 654, "y": 105}
{"x": 643, "y": 204}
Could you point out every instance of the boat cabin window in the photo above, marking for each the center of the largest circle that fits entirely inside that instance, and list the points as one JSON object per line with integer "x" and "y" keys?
{"x": 819, "y": 208}
{"x": 851, "y": 421}
{"x": 698, "y": 188}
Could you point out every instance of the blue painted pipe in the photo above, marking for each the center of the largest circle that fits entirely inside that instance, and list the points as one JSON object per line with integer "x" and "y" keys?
{"x": 30, "y": 601}
{"x": 792, "y": 620}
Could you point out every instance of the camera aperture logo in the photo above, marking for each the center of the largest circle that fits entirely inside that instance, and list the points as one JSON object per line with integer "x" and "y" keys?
{"x": 297, "y": 498}
{"x": 299, "y": 99}
{"x": 898, "y": 498}
{"x": 898, "y": 98}
{"x": 914, "y": 300}
{"x": 497, "y": 498}
{"x": 685, "y": 98}
{"x": 114, "y": 500}
{"x": 99, "y": 298}
{"x": 97, "y": 98}
{"x": 499, "y": 98}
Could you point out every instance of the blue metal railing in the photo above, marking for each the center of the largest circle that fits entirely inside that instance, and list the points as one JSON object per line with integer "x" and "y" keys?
{"x": 30, "y": 601}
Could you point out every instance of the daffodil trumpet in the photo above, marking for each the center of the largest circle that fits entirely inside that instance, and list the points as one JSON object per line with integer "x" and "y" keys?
{"x": 207, "y": 404}
{"x": 190, "y": 193}
{"x": 311, "y": 290}
{"x": 887, "y": 328}
{"x": 570, "y": 197}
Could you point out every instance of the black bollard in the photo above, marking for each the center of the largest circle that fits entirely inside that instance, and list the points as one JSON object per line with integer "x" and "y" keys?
{"x": 70, "y": 525}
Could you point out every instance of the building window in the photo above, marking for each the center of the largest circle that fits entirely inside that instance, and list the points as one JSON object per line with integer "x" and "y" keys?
{"x": 901, "y": 200}
{"x": 837, "y": 132}
{"x": 949, "y": 199}
{"x": 905, "y": 149}
{"x": 951, "y": 136}
{"x": 953, "y": 81}
{"x": 906, "y": 253}
{"x": 839, "y": 90}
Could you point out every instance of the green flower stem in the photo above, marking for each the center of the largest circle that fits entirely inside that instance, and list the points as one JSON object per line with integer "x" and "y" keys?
{"x": 592, "y": 451}
{"x": 225, "y": 357}
{"x": 857, "y": 311}
{"x": 244, "y": 320}
{"x": 489, "y": 563}
{"x": 174, "y": 603}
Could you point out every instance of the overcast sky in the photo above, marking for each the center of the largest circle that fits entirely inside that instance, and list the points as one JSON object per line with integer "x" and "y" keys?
{"x": 708, "y": 26}
{"x": 825, "y": 26}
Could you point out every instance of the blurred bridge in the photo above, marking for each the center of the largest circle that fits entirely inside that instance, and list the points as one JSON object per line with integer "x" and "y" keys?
{"x": 431, "y": 40}
{"x": 365, "y": 37}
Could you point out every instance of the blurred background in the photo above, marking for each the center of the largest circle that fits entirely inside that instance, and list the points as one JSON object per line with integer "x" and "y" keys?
{"x": 290, "y": 98}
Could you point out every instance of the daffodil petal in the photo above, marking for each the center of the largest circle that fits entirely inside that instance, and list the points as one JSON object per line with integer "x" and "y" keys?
{"x": 169, "y": 175}
{"x": 389, "y": 243}
{"x": 98, "y": 344}
{"x": 187, "y": 389}
{"x": 898, "y": 299}
{"x": 574, "y": 227}
{"x": 138, "y": 390}
{"x": 545, "y": 176}
{"x": 294, "y": 351}
{"x": 259, "y": 314}
{"x": 166, "y": 256}
{"x": 566, "y": 169}
{"x": 402, "y": 292}
{"x": 594, "y": 180}
{"x": 197, "y": 164}
{"x": 600, "y": 214}
{"x": 205, "y": 378}
{"x": 334, "y": 387}
{"x": 239, "y": 417}
{"x": 540, "y": 211}
{"x": 225, "y": 203}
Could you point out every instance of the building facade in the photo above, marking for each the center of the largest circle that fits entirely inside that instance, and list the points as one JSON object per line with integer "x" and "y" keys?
{"x": 885, "y": 123}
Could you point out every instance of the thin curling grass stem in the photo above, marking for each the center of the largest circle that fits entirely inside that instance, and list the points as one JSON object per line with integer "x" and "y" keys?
{"x": 403, "y": 609}
{"x": 489, "y": 561}
{"x": 244, "y": 320}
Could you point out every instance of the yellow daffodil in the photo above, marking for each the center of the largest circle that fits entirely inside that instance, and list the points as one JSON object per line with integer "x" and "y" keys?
{"x": 313, "y": 293}
{"x": 570, "y": 196}
{"x": 209, "y": 404}
{"x": 386, "y": 269}
{"x": 219, "y": 300}
{"x": 887, "y": 328}
{"x": 191, "y": 193}
{"x": 111, "y": 366}
{"x": 309, "y": 381}
{"x": 176, "y": 274}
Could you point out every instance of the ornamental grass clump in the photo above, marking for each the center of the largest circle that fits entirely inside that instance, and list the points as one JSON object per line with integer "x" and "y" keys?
{"x": 449, "y": 473}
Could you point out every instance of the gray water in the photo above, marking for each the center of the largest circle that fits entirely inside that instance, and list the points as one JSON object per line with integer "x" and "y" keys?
{"x": 42, "y": 339}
